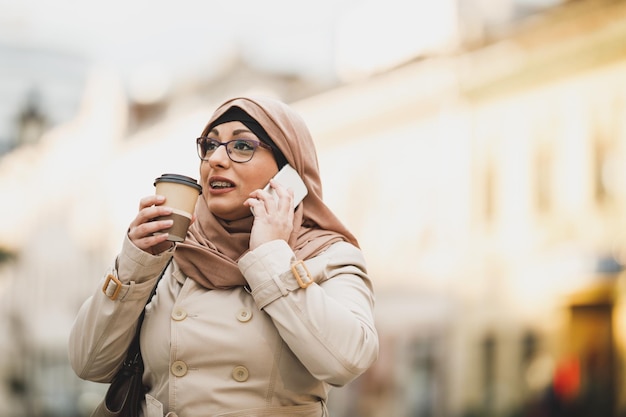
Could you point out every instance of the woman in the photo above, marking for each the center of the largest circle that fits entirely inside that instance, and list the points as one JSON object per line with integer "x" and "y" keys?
{"x": 264, "y": 307}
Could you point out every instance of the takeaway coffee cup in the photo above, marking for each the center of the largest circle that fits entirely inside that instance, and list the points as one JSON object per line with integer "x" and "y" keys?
{"x": 181, "y": 194}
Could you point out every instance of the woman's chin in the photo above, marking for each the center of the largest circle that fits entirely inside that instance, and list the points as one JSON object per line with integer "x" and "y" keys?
{"x": 230, "y": 212}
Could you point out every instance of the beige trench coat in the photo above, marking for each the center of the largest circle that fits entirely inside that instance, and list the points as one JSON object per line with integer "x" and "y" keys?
{"x": 270, "y": 349}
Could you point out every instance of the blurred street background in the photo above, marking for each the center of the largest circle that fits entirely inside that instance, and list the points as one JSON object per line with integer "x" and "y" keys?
{"x": 477, "y": 149}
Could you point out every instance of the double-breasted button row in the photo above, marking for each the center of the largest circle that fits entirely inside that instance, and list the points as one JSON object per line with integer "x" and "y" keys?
{"x": 243, "y": 315}
{"x": 240, "y": 373}
{"x": 179, "y": 368}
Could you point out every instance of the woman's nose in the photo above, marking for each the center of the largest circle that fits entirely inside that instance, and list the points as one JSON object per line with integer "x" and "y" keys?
{"x": 219, "y": 157}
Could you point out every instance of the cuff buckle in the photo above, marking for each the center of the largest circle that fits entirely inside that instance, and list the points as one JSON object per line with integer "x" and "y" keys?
{"x": 114, "y": 292}
{"x": 300, "y": 271}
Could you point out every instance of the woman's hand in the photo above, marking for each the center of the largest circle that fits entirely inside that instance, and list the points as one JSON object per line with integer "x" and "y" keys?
{"x": 272, "y": 219}
{"x": 141, "y": 230}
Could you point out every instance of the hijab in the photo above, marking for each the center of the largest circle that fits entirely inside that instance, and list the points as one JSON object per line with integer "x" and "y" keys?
{"x": 213, "y": 246}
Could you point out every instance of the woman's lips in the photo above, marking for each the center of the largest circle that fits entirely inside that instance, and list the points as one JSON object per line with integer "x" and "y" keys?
{"x": 220, "y": 185}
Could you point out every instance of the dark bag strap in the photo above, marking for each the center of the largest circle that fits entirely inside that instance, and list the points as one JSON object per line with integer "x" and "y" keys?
{"x": 154, "y": 290}
{"x": 124, "y": 395}
{"x": 134, "y": 352}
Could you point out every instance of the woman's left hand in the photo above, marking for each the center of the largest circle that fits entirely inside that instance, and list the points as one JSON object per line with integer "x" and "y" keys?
{"x": 273, "y": 219}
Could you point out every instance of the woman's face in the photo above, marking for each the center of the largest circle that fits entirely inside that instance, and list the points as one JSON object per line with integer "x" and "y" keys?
{"x": 227, "y": 184}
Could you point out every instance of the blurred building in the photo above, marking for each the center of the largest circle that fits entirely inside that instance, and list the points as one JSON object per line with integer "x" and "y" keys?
{"x": 40, "y": 88}
{"x": 486, "y": 186}
{"x": 489, "y": 188}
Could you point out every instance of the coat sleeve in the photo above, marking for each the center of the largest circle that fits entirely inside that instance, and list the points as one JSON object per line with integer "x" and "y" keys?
{"x": 104, "y": 327}
{"x": 329, "y": 325}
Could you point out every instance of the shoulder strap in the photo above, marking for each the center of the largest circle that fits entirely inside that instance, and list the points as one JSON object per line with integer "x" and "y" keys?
{"x": 154, "y": 289}
{"x": 133, "y": 350}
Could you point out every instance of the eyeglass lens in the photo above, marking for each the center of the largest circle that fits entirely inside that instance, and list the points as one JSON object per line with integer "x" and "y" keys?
{"x": 239, "y": 150}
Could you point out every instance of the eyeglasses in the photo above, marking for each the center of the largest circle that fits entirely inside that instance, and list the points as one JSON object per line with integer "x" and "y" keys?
{"x": 238, "y": 150}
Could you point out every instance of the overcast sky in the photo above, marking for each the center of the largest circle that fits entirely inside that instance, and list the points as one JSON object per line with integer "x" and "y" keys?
{"x": 284, "y": 35}
{"x": 178, "y": 34}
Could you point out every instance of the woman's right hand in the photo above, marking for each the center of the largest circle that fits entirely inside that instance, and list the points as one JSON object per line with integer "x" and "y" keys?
{"x": 141, "y": 230}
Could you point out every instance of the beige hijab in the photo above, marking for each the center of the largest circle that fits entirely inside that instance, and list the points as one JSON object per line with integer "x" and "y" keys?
{"x": 213, "y": 246}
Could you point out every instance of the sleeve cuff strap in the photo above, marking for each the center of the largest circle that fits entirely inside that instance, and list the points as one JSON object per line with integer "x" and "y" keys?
{"x": 273, "y": 272}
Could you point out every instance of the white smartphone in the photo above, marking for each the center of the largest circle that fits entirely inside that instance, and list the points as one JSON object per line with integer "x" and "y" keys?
{"x": 288, "y": 177}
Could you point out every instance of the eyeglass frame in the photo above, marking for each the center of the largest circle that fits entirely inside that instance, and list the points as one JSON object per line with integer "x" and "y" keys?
{"x": 257, "y": 143}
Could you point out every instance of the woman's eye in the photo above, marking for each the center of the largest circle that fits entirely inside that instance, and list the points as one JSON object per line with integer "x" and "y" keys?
{"x": 210, "y": 145}
{"x": 243, "y": 145}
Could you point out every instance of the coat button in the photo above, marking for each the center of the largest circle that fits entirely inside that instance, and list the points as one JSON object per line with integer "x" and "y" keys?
{"x": 240, "y": 373}
{"x": 179, "y": 368}
{"x": 179, "y": 314}
{"x": 244, "y": 315}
